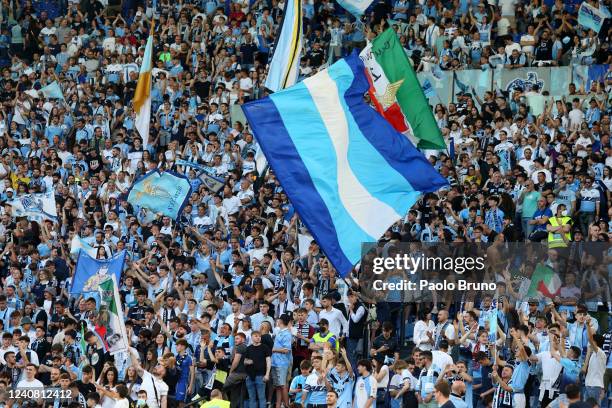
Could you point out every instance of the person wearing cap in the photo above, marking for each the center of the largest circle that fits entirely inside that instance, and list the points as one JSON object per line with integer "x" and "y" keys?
{"x": 8, "y": 194}
{"x": 323, "y": 337}
{"x": 27, "y": 329}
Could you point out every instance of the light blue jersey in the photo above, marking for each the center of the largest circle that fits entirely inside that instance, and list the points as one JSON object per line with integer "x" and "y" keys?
{"x": 343, "y": 385}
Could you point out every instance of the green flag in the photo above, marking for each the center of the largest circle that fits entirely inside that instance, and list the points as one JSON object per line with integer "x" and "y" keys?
{"x": 389, "y": 67}
{"x": 83, "y": 343}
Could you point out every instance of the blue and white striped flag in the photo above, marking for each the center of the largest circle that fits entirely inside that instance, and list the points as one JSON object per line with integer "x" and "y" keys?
{"x": 347, "y": 171}
{"x": 285, "y": 62}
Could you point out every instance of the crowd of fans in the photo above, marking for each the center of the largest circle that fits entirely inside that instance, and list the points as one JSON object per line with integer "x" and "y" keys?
{"x": 223, "y": 304}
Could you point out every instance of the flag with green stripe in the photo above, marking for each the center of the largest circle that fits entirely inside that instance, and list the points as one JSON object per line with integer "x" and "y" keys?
{"x": 389, "y": 66}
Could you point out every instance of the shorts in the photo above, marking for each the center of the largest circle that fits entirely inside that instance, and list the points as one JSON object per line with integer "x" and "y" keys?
{"x": 279, "y": 376}
{"x": 519, "y": 400}
{"x": 181, "y": 391}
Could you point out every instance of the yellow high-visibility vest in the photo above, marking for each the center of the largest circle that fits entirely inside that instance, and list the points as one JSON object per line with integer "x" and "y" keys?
{"x": 555, "y": 240}
{"x": 317, "y": 338}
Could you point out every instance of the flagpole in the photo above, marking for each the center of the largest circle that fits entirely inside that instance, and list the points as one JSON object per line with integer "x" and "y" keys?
{"x": 297, "y": 234}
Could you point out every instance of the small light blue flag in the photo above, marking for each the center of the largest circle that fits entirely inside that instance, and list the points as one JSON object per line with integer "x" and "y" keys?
{"x": 591, "y": 17}
{"x": 212, "y": 183}
{"x": 161, "y": 192}
{"x": 355, "y": 7}
{"x": 78, "y": 244}
{"x": 52, "y": 91}
{"x": 462, "y": 87}
{"x": 428, "y": 89}
{"x": 90, "y": 272}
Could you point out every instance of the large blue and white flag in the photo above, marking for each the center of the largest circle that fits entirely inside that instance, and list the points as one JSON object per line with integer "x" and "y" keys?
{"x": 355, "y": 7}
{"x": 161, "y": 192}
{"x": 591, "y": 17}
{"x": 36, "y": 207}
{"x": 285, "y": 62}
{"x": 91, "y": 272}
{"x": 347, "y": 171}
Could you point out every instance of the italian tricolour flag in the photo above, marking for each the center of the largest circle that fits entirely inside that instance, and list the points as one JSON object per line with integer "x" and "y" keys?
{"x": 544, "y": 282}
{"x": 396, "y": 92}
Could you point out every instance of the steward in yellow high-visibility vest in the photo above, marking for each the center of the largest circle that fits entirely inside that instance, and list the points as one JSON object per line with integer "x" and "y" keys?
{"x": 559, "y": 228}
{"x": 317, "y": 342}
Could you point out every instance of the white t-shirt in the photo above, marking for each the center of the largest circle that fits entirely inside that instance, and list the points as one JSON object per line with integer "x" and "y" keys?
{"x": 440, "y": 359}
{"x": 385, "y": 380}
{"x": 230, "y": 319}
{"x": 338, "y": 325}
{"x": 534, "y": 175}
{"x": 246, "y": 84}
{"x": 551, "y": 369}
{"x": 134, "y": 158}
{"x": 30, "y": 384}
{"x": 151, "y": 384}
{"x": 597, "y": 368}
{"x": 576, "y": 117}
{"x": 503, "y": 25}
{"x": 122, "y": 403}
{"x": 507, "y": 7}
{"x": 512, "y": 47}
{"x": 232, "y": 204}
{"x": 527, "y": 165}
{"x": 6, "y": 350}
{"x": 527, "y": 48}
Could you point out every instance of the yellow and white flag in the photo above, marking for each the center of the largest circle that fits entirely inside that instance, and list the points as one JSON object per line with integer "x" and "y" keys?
{"x": 142, "y": 96}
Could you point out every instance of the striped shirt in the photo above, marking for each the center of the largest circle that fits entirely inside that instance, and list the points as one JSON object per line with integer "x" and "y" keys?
{"x": 343, "y": 385}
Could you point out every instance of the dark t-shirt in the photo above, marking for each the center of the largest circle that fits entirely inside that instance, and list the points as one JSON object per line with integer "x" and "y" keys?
{"x": 486, "y": 379}
{"x": 258, "y": 354}
{"x": 448, "y": 404}
{"x": 544, "y": 50}
{"x": 267, "y": 339}
{"x": 391, "y": 344}
{"x": 85, "y": 389}
{"x": 241, "y": 349}
{"x": 579, "y": 404}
